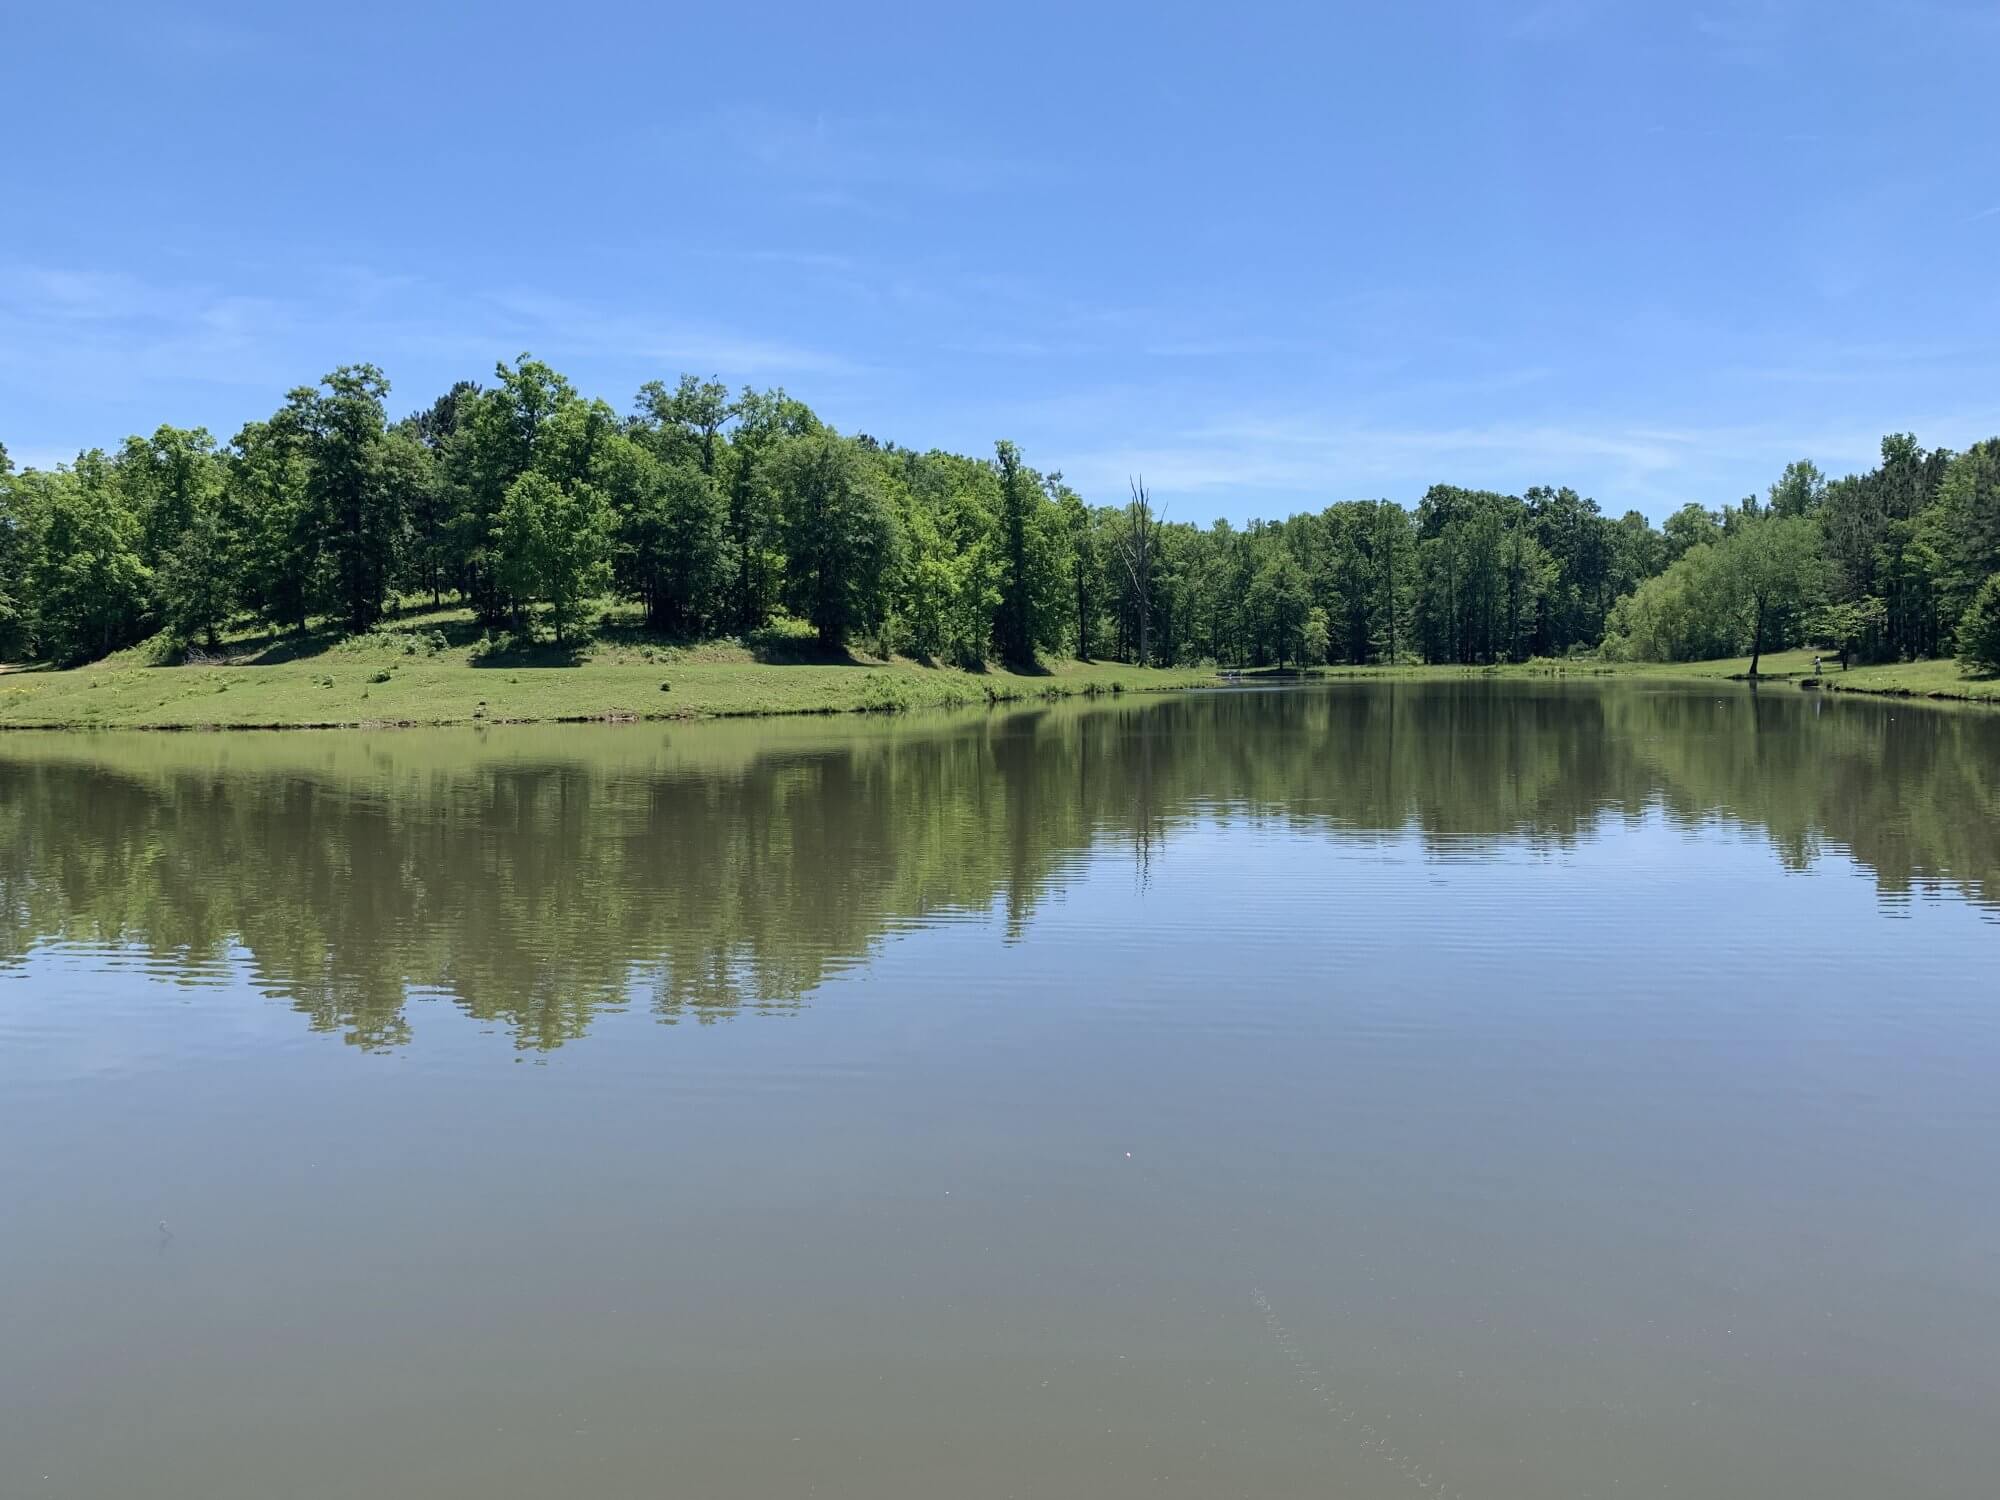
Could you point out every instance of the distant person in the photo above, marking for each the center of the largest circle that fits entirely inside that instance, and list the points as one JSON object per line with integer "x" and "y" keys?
{"x": 1815, "y": 666}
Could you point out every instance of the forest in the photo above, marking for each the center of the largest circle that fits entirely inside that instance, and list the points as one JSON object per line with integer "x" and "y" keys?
{"x": 705, "y": 514}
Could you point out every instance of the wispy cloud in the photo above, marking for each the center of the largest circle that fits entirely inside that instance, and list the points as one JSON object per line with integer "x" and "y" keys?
{"x": 117, "y": 349}
{"x": 1984, "y": 213}
{"x": 1270, "y": 464}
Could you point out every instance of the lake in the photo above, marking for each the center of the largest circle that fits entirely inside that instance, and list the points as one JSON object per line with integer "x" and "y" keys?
{"x": 1474, "y": 1089}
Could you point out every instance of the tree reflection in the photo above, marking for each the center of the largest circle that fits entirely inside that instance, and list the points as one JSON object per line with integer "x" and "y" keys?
{"x": 539, "y": 877}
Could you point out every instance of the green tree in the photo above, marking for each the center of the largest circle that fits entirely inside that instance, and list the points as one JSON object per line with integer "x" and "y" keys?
{"x": 269, "y": 468}
{"x": 197, "y": 579}
{"x": 551, "y": 543}
{"x": 430, "y": 559}
{"x": 1138, "y": 546}
{"x": 502, "y": 432}
{"x": 1693, "y": 525}
{"x": 947, "y": 574}
{"x": 688, "y": 420}
{"x": 671, "y": 539}
{"x": 1979, "y": 629}
{"x": 1395, "y": 575}
{"x": 355, "y": 488}
{"x": 1317, "y": 637}
{"x": 1030, "y": 581}
{"x": 1688, "y": 613}
{"x": 1780, "y": 574}
{"x": 764, "y": 420}
{"x": 839, "y": 538}
{"x": 170, "y": 480}
{"x": 86, "y": 582}
{"x": 1280, "y": 604}
{"x": 1528, "y": 577}
{"x": 1965, "y": 523}
{"x": 1558, "y": 589}
{"x": 1084, "y": 552}
{"x": 1799, "y": 490}
{"x": 1843, "y": 625}
{"x": 1461, "y": 583}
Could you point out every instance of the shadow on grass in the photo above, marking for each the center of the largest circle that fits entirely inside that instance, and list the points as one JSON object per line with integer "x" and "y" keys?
{"x": 1032, "y": 667}
{"x": 531, "y": 654}
{"x": 279, "y": 649}
{"x": 790, "y": 644}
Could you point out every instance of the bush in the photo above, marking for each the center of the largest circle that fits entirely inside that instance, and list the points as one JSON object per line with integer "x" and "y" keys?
{"x": 1979, "y": 629}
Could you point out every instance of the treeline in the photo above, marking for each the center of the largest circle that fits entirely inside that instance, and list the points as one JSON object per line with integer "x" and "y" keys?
{"x": 530, "y": 503}
{"x": 1898, "y": 563}
{"x": 714, "y": 514}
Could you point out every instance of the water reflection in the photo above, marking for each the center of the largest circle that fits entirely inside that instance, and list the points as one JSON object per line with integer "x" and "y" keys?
{"x": 537, "y": 877}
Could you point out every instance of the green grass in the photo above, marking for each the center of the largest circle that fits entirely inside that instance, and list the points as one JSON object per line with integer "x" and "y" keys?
{"x": 437, "y": 667}
{"x": 434, "y": 667}
{"x": 1922, "y": 679}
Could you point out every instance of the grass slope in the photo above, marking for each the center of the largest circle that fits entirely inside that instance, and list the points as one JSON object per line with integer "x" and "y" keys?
{"x": 434, "y": 668}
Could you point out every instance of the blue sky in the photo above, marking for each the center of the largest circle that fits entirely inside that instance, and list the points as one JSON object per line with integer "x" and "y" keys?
{"x": 1267, "y": 256}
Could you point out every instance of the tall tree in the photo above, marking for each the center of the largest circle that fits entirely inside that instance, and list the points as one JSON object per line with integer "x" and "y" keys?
{"x": 552, "y": 543}
{"x": 672, "y": 552}
{"x": 1964, "y": 527}
{"x": 1978, "y": 630}
{"x": 764, "y": 420}
{"x": 502, "y": 432}
{"x": 1799, "y": 490}
{"x": 353, "y": 487}
{"x": 1137, "y": 548}
{"x": 689, "y": 419}
{"x": 430, "y": 561}
{"x": 1013, "y": 623}
{"x": 87, "y": 582}
{"x": 839, "y": 537}
{"x": 1693, "y": 525}
{"x": 269, "y": 466}
{"x": 198, "y": 579}
{"x": 1280, "y": 603}
{"x": 1780, "y": 574}
{"x": 1085, "y": 557}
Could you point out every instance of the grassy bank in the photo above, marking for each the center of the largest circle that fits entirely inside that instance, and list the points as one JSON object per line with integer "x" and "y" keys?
{"x": 1921, "y": 679}
{"x": 435, "y": 668}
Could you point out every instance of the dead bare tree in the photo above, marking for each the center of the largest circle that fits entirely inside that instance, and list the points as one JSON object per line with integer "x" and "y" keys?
{"x": 1136, "y": 547}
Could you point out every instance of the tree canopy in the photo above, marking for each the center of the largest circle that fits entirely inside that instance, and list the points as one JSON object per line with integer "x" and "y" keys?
{"x": 529, "y": 503}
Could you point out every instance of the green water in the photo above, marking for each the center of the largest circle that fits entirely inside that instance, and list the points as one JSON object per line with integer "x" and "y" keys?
{"x": 1496, "y": 1090}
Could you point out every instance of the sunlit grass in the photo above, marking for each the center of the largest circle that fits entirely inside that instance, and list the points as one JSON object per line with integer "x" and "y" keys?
{"x": 438, "y": 667}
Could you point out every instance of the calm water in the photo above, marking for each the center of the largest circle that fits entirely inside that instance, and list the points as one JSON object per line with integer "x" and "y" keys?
{"x": 1484, "y": 1091}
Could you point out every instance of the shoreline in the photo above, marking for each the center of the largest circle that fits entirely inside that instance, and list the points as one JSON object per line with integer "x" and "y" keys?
{"x": 435, "y": 696}
{"x": 327, "y": 690}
